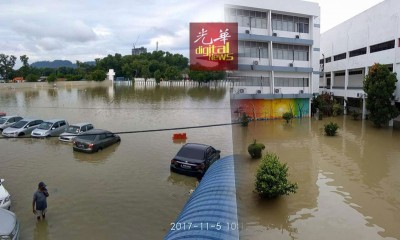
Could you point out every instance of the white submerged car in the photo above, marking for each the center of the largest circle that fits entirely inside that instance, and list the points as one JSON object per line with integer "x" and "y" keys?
{"x": 5, "y": 198}
{"x": 23, "y": 127}
{"x": 7, "y": 121}
{"x": 73, "y": 130}
{"x": 50, "y": 128}
{"x": 9, "y": 227}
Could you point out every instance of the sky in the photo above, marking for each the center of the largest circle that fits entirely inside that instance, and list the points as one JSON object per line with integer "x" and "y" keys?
{"x": 87, "y": 29}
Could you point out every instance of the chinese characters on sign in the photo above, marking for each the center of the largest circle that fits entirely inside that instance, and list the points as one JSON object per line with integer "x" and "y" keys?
{"x": 213, "y": 46}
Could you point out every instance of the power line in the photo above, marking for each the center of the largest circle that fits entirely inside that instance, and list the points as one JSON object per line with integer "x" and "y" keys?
{"x": 119, "y": 108}
{"x": 145, "y": 131}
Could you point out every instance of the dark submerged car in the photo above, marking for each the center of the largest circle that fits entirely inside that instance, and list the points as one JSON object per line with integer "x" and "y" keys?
{"x": 194, "y": 159}
{"x": 94, "y": 140}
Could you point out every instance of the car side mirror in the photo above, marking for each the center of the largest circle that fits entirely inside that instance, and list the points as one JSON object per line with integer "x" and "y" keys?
{"x": 53, "y": 128}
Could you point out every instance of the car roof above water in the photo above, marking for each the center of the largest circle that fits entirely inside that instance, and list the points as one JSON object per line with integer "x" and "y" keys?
{"x": 8, "y": 117}
{"x": 199, "y": 146}
{"x": 54, "y": 120}
{"x": 96, "y": 131}
{"x": 30, "y": 119}
{"x": 80, "y": 124}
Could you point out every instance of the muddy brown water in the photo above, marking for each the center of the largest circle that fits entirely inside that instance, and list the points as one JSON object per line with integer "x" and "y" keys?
{"x": 349, "y": 185}
{"x": 126, "y": 191}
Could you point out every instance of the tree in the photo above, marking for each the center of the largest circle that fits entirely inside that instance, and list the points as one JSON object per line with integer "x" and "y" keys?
{"x": 379, "y": 85}
{"x": 32, "y": 78}
{"x": 98, "y": 75}
{"x": 172, "y": 73}
{"x": 51, "y": 78}
{"x": 158, "y": 75}
{"x": 6, "y": 65}
{"x": 271, "y": 178}
{"x": 24, "y": 70}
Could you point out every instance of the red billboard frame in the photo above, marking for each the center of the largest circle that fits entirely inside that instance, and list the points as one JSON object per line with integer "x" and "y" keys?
{"x": 214, "y": 46}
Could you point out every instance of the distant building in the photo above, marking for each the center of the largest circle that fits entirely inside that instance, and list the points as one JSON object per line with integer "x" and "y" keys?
{"x": 278, "y": 48}
{"x": 352, "y": 47}
{"x": 138, "y": 51}
{"x": 18, "y": 80}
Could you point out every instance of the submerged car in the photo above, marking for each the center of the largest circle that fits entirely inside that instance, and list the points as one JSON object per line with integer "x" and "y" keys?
{"x": 23, "y": 127}
{"x": 50, "y": 128}
{"x": 5, "y": 199}
{"x": 7, "y": 121}
{"x": 94, "y": 140}
{"x": 9, "y": 227}
{"x": 194, "y": 159}
{"x": 73, "y": 130}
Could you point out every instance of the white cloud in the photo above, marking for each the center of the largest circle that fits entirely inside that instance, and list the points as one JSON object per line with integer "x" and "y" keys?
{"x": 84, "y": 30}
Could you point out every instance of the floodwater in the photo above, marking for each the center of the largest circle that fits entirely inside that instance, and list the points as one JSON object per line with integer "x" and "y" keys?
{"x": 126, "y": 191}
{"x": 349, "y": 185}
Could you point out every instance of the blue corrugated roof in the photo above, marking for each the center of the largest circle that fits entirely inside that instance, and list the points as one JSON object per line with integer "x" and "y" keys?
{"x": 211, "y": 211}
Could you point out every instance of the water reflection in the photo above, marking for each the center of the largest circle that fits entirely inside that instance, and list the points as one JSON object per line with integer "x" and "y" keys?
{"x": 98, "y": 157}
{"x": 127, "y": 187}
{"x": 179, "y": 179}
{"x": 348, "y": 184}
{"x": 41, "y": 231}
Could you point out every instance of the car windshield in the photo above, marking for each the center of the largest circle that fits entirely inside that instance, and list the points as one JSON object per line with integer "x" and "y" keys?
{"x": 88, "y": 137}
{"x": 45, "y": 125}
{"x": 188, "y": 152}
{"x": 19, "y": 124}
{"x": 73, "y": 129}
{"x": 3, "y": 120}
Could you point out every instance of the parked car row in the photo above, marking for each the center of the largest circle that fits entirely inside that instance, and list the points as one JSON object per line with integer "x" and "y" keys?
{"x": 83, "y": 135}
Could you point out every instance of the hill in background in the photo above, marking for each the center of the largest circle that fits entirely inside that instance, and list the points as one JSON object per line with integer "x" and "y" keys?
{"x": 57, "y": 64}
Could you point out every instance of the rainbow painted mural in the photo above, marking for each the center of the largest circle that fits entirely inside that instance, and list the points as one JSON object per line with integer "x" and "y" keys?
{"x": 270, "y": 108}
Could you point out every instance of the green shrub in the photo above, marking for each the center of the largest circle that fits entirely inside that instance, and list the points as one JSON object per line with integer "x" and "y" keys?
{"x": 337, "y": 109}
{"x": 244, "y": 120}
{"x": 331, "y": 128}
{"x": 255, "y": 149}
{"x": 288, "y": 116}
{"x": 271, "y": 178}
{"x": 355, "y": 114}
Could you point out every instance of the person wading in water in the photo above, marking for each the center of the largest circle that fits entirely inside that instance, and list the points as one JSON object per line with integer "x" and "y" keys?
{"x": 40, "y": 201}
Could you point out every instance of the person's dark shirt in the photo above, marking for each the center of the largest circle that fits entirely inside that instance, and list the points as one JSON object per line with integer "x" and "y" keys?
{"x": 40, "y": 199}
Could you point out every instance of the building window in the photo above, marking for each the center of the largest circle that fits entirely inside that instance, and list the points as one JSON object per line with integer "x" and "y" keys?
{"x": 328, "y": 75}
{"x": 340, "y": 74}
{"x": 251, "y": 81}
{"x": 247, "y": 18}
{"x": 358, "y": 52}
{"x": 290, "y": 23}
{"x": 291, "y": 82}
{"x": 253, "y": 49}
{"x": 355, "y": 72}
{"x": 328, "y": 59}
{"x": 339, "y": 57}
{"x": 382, "y": 46}
{"x": 290, "y": 52}
{"x": 328, "y": 82}
{"x": 321, "y": 61}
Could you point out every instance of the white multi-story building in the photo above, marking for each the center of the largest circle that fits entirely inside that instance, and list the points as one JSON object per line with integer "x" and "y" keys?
{"x": 352, "y": 47}
{"x": 279, "y": 49}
